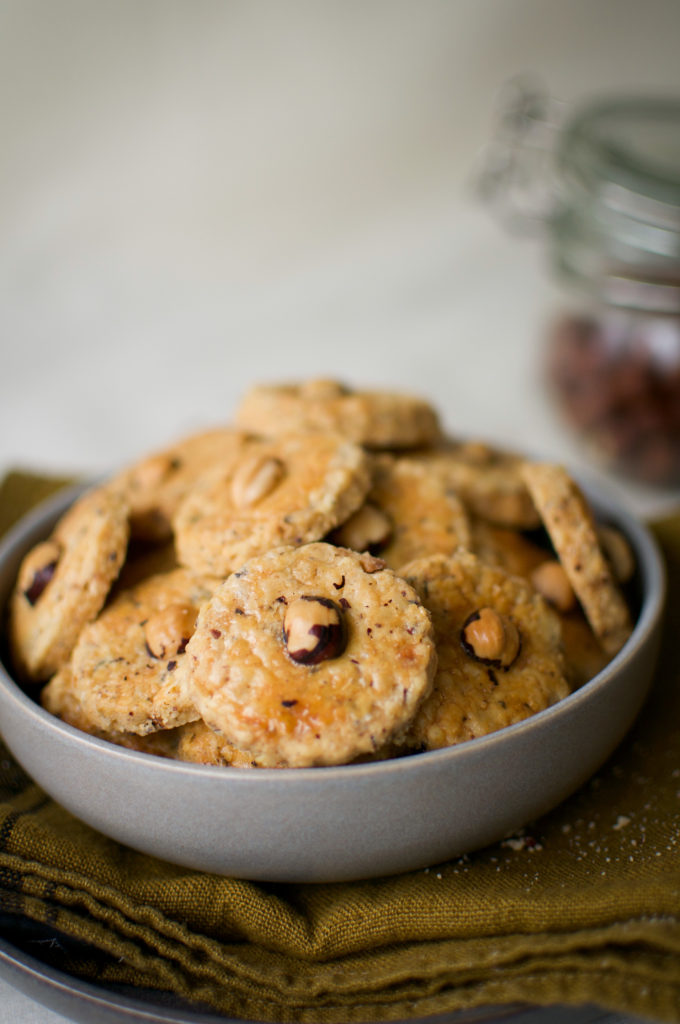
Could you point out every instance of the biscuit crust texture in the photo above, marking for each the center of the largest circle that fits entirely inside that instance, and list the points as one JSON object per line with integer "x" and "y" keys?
{"x": 117, "y": 683}
{"x": 199, "y": 744}
{"x": 571, "y": 526}
{"x": 154, "y": 486}
{"x": 426, "y": 516}
{"x": 470, "y": 698}
{"x": 59, "y": 698}
{"x": 248, "y": 688}
{"x": 314, "y": 482}
{"x": 377, "y": 419}
{"x": 487, "y": 479}
{"x": 89, "y": 544}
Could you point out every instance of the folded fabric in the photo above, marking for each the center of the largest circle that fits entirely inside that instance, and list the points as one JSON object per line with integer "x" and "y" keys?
{"x": 581, "y": 907}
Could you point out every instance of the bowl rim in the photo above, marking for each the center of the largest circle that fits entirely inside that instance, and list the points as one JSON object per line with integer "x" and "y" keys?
{"x": 650, "y": 566}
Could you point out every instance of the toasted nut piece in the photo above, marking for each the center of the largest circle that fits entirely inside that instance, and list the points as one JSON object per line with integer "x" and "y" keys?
{"x": 477, "y": 452}
{"x": 152, "y": 471}
{"x": 552, "y": 583}
{"x": 314, "y": 630}
{"x": 368, "y": 529}
{"x": 617, "y": 551}
{"x": 491, "y": 638}
{"x": 168, "y": 631}
{"x": 38, "y": 569}
{"x": 255, "y": 478}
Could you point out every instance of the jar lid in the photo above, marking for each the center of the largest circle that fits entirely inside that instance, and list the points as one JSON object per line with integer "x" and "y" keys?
{"x": 625, "y": 153}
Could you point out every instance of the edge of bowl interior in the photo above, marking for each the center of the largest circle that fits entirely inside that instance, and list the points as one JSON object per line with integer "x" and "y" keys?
{"x": 346, "y": 822}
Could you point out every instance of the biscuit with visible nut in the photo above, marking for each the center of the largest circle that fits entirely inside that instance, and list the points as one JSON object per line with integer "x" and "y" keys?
{"x": 59, "y": 698}
{"x": 127, "y": 667}
{"x": 377, "y": 419}
{"x": 313, "y": 655}
{"x": 64, "y": 581}
{"x": 499, "y": 650}
{"x": 156, "y": 484}
{"x": 571, "y": 525}
{"x": 291, "y": 490}
{"x": 487, "y": 479}
{"x": 409, "y": 512}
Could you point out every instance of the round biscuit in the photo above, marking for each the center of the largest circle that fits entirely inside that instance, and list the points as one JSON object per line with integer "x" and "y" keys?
{"x": 377, "y": 419}
{"x": 470, "y": 698}
{"x": 52, "y": 603}
{"x": 58, "y": 697}
{"x": 487, "y": 479}
{"x": 310, "y": 483}
{"x": 425, "y": 516}
{"x": 155, "y": 485}
{"x": 571, "y": 525}
{"x": 118, "y": 683}
{"x": 247, "y": 686}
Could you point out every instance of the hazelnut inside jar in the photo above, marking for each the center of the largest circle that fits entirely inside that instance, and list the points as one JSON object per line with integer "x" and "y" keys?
{"x": 615, "y": 378}
{"x": 614, "y": 351}
{"x": 603, "y": 184}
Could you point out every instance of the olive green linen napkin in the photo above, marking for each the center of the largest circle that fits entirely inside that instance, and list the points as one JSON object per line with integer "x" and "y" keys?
{"x": 583, "y": 907}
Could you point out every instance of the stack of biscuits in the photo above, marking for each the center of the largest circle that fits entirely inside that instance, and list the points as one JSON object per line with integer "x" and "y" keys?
{"x": 329, "y": 579}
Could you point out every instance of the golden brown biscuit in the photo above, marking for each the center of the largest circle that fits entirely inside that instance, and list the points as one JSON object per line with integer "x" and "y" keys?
{"x": 498, "y": 647}
{"x": 199, "y": 744}
{"x": 126, "y": 669}
{"x": 154, "y": 486}
{"x": 511, "y": 550}
{"x": 377, "y": 419}
{"x": 311, "y": 655}
{"x": 487, "y": 479}
{"x": 63, "y": 582}
{"x": 291, "y": 490}
{"x": 58, "y": 697}
{"x": 570, "y": 522}
{"x": 409, "y": 512}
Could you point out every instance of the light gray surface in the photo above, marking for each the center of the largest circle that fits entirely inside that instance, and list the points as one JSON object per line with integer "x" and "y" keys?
{"x": 197, "y": 194}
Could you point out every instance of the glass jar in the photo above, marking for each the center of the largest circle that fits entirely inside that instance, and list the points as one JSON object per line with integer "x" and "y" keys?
{"x": 605, "y": 186}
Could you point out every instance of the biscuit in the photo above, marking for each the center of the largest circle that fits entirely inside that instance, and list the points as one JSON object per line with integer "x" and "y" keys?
{"x": 127, "y": 667}
{"x": 377, "y": 419}
{"x": 287, "y": 491}
{"x": 572, "y": 528}
{"x": 507, "y": 548}
{"x": 154, "y": 486}
{"x": 63, "y": 582}
{"x": 199, "y": 744}
{"x": 420, "y": 515}
{"x": 59, "y": 699}
{"x": 477, "y": 689}
{"x": 487, "y": 479}
{"x": 583, "y": 655}
{"x": 311, "y": 656}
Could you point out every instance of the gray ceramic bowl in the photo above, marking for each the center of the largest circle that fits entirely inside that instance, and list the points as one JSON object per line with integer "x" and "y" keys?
{"x": 335, "y": 824}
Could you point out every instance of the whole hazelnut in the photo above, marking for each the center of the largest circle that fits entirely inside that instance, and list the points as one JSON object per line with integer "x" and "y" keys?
{"x": 254, "y": 479}
{"x": 490, "y": 638}
{"x": 552, "y": 583}
{"x": 314, "y": 630}
{"x": 369, "y": 529}
{"x": 617, "y": 551}
{"x": 38, "y": 569}
{"x": 168, "y": 630}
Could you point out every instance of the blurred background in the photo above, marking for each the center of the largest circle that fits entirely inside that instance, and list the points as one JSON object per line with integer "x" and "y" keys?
{"x": 196, "y": 195}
